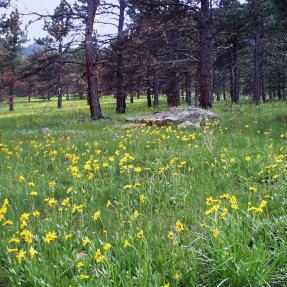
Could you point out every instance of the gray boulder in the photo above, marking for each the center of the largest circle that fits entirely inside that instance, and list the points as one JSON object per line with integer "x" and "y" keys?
{"x": 192, "y": 117}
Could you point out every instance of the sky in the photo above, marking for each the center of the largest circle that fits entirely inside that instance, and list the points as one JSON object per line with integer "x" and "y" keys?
{"x": 45, "y": 7}
{"x": 41, "y": 6}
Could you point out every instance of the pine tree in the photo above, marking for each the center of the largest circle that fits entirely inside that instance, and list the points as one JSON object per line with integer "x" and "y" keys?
{"x": 86, "y": 11}
{"x": 12, "y": 39}
{"x": 58, "y": 43}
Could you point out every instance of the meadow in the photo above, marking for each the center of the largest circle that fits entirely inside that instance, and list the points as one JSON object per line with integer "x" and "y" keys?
{"x": 105, "y": 203}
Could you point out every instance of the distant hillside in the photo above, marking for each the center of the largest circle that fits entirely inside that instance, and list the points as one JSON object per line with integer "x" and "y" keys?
{"x": 29, "y": 50}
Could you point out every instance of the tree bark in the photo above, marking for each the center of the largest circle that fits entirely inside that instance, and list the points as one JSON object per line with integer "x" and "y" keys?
{"x": 155, "y": 90}
{"x": 173, "y": 96}
{"x": 60, "y": 79}
{"x": 11, "y": 95}
{"x": 263, "y": 87}
{"x": 188, "y": 98}
{"x": 257, "y": 92}
{"x": 235, "y": 76}
{"x": 231, "y": 79}
{"x": 284, "y": 76}
{"x": 279, "y": 90}
{"x": 205, "y": 55}
{"x": 93, "y": 94}
{"x": 196, "y": 93}
{"x": 223, "y": 84}
{"x": 120, "y": 94}
{"x": 148, "y": 96}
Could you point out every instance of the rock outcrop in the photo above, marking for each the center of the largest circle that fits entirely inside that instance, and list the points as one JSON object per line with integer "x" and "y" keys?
{"x": 184, "y": 117}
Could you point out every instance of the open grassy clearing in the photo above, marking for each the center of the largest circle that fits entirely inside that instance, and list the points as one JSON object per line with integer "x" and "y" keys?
{"x": 99, "y": 204}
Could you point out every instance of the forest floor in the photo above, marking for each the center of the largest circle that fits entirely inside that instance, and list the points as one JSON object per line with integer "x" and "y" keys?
{"x": 103, "y": 204}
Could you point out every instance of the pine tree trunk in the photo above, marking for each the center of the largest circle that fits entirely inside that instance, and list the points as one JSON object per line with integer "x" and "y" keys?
{"x": 235, "y": 78}
{"x": 120, "y": 94}
{"x": 196, "y": 94}
{"x": 155, "y": 98}
{"x": 223, "y": 83}
{"x": 148, "y": 96}
{"x": 60, "y": 79}
{"x": 93, "y": 95}
{"x": 263, "y": 88}
{"x": 284, "y": 76}
{"x": 173, "y": 99}
{"x": 188, "y": 98}
{"x": 279, "y": 91}
{"x": 11, "y": 95}
{"x": 155, "y": 91}
{"x": 257, "y": 93}
{"x": 205, "y": 55}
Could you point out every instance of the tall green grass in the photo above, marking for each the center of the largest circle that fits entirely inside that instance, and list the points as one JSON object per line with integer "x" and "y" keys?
{"x": 225, "y": 183}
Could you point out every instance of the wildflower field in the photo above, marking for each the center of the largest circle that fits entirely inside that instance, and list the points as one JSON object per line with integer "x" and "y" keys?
{"x": 107, "y": 204}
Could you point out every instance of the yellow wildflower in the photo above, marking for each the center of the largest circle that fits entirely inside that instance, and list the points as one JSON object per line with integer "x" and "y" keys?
{"x": 99, "y": 257}
{"x": 252, "y": 189}
{"x": 84, "y": 277}
{"x": 69, "y": 190}
{"x": 140, "y": 234}
{"x": 8, "y": 222}
{"x": 107, "y": 246}
{"x": 142, "y": 198}
{"x": 86, "y": 241}
{"x": 52, "y": 184}
{"x": 224, "y": 213}
{"x": 21, "y": 256}
{"x": 90, "y": 176}
{"x": 32, "y": 252}
{"x": 136, "y": 214}
{"x": 81, "y": 264}
{"x": 215, "y": 232}
{"x": 36, "y": 213}
{"x": 24, "y": 216}
{"x": 171, "y": 236}
{"x": 78, "y": 208}
{"x": 179, "y": 226}
{"x": 52, "y": 202}
{"x": 126, "y": 244}
{"x": 21, "y": 178}
{"x": 137, "y": 169}
{"x": 31, "y": 184}
{"x": 27, "y": 235}
{"x": 66, "y": 202}
{"x": 14, "y": 240}
{"x": 96, "y": 215}
{"x": 50, "y": 236}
